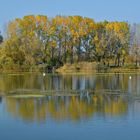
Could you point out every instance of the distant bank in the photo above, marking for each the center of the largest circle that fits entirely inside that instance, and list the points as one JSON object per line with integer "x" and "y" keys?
{"x": 92, "y": 67}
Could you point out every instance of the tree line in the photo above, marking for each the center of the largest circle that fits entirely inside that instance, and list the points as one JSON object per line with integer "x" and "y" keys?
{"x": 34, "y": 40}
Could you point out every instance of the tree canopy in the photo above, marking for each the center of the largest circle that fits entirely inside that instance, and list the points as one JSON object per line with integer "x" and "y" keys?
{"x": 34, "y": 40}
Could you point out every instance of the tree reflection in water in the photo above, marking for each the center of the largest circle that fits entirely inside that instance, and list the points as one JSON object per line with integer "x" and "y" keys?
{"x": 70, "y": 82}
{"x": 74, "y": 108}
{"x": 70, "y": 105}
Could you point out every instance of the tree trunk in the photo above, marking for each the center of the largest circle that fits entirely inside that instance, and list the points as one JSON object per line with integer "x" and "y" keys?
{"x": 65, "y": 54}
{"x": 71, "y": 57}
{"x": 78, "y": 50}
{"x": 59, "y": 51}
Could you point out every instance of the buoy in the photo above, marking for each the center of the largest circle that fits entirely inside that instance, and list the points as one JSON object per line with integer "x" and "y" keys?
{"x": 130, "y": 77}
{"x": 44, "y": 74}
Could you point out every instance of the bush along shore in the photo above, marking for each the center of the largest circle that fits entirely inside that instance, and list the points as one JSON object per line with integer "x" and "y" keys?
{"x": 69, "y": 44}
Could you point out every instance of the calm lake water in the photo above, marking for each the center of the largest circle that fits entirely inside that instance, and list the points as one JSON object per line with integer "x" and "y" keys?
{"x": 75, "y": 107}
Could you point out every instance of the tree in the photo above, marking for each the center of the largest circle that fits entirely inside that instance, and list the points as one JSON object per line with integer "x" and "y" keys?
{"x": 135, "y": 43}
{"x": 122, "y": 40}
{"x": 32, "y": 40}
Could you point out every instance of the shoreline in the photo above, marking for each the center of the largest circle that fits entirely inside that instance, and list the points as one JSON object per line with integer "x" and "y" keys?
{"x": 67, "y": 71}
{"x": 76, "y": 68}
{"x": 92, "y": 68}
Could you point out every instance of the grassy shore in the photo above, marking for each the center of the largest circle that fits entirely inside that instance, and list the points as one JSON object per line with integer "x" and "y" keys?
{"x": 92, "y": 67}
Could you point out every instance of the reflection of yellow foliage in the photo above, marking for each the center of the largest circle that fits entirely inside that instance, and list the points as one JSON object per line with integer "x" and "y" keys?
{"x": 60, "y": 108}
{"x": 11, "y": 106}
{"x": 116, "y": 108}
{"x": 95, "y": 99}
{"x": 27, "y": 109}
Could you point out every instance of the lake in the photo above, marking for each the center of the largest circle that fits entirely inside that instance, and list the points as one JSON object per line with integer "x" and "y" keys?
{"x": 69, "y": 107}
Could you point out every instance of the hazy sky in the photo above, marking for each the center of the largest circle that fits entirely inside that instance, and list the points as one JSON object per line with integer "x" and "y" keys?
{"x": 120, "y": 10}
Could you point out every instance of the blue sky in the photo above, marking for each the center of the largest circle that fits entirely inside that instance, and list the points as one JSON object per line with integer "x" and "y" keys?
{"x": 99, "y": 10}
